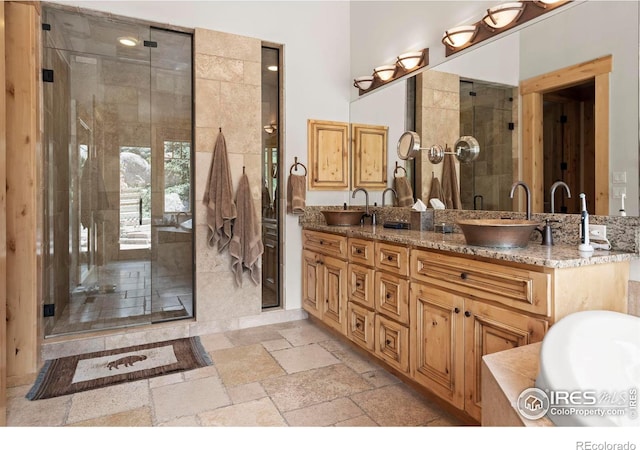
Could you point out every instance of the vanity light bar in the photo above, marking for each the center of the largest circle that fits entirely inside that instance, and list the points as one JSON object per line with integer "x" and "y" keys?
{"x": 497, "y": 19}
{"x": 405, "y": 63}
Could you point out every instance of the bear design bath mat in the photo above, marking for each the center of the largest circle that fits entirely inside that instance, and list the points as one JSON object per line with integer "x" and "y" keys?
{"x": 79, "y": 373}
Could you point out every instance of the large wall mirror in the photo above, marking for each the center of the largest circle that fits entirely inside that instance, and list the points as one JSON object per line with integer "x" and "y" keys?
{"x": 476, "y": 92}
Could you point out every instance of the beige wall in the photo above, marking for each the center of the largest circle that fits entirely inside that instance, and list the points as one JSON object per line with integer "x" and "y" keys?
{"x": 228, "y": 96}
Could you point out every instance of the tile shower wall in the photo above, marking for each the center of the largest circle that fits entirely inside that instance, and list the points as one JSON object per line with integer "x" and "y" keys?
{"x": 227, "y": 96}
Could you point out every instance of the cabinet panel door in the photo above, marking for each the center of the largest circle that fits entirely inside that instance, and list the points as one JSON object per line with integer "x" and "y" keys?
{"x": 360, "y": 326}
{"x": 392, "y": 343}
{"x": 328, "y": 150}
{"x": 334, "y": 289}
{"x": 392, "y": 258}
{"x": 437, "y": 339}
{"x": 489, "y": 329}
{"x": 361, "y": 285}
{"x": 369, "y": 156}
{"x": 311, "y": 283}
{"x": 392, "y": 297}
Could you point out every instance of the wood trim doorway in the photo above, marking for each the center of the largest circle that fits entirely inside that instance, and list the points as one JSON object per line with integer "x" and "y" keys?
{"x": 532, "y": 91}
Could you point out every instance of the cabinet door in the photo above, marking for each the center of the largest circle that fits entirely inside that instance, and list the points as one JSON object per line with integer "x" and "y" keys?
{"x": 312, "y": 283}
{"x": 270, "y": 264}
{"x": 392, "y": 297}
{"x": 369, "y": 153}
{"x": 392, "y": 342}
{"x": 328, "y": 150}
{"x": 437, "y": 339}
{"x": 334, "y": 293}
{"x": 361, "y": 285}
{"x": 360, "y": 326}
{"x": 489, "y": 329}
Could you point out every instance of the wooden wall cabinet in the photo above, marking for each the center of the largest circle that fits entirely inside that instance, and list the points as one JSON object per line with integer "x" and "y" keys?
{"x": 328, "y": 153}
{"x": 369, "y": 153}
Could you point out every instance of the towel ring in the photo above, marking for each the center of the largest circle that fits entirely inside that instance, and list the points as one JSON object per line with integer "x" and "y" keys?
{"x": 295, "y": 166}
{"x": 395, "y": 172}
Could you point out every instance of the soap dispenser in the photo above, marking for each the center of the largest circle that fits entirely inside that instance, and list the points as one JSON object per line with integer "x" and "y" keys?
{"x": 547, "y": 232}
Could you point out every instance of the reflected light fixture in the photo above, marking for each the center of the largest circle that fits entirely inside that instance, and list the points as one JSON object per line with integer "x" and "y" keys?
{"x": 272, "y": 68}
{"x": 459, "y": 36}
{"x": 270, "y": 129}
{"x": 364, "y": 82}
{"x": 410, "y": 60}
{"x": 503, "y": 15}
{"x": 386, "y": 72}
{"x": 128, "y": 41}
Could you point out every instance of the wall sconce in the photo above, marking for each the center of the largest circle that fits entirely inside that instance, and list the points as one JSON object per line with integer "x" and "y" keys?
{"x": 410, "y": 60}
{"x": 496, "y": 20}
{"x": 405, "y": 63}
{"x": 363, "y": 83}
{"x": 270, "y": 129}
{"x": 502, "y": 15}
{"x": 459, "y": 36}
{"x": 386, "y": 72}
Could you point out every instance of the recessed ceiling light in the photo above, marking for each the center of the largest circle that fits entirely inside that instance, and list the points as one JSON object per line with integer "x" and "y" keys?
{"x": 272, "y": 68}
{"x": 128, "y": 41}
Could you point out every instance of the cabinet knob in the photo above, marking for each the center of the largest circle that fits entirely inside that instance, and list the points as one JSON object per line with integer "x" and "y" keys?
{"x": 388, "y": 295}
{"x": 390, "y": 258}
{"x": 467, "y": 314}
{"x": 359, "y": 251}
{"x": 358, "y": 325}
{"x": 358, "y": 285}
{"x": 388, "y": 342}
{"x": 321, "y": 242}
{"x": 456, "y": 310}
{"x": 463, "y": 276}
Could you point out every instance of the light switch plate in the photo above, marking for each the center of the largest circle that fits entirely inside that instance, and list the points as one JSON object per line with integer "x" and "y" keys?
{"x": 620, "y": 177}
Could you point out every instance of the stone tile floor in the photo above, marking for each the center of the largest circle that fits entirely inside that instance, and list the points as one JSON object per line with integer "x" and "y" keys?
{"x": 292, "y": 374}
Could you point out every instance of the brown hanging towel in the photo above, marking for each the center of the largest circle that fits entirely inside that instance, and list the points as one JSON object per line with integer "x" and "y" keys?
{"x": 401, "y": 185}
{"x": 296, "y": 190}
{"x": 436, "y": 190}
{"x": 246, "y": 245}
{"x": 450, "y": 187}
{"x": 218, "y": 197}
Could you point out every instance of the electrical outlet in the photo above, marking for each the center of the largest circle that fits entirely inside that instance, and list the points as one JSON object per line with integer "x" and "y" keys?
{"x": 598, "y": 232}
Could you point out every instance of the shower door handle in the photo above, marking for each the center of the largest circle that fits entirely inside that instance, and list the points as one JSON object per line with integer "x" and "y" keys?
{"x": 140, "y": 210}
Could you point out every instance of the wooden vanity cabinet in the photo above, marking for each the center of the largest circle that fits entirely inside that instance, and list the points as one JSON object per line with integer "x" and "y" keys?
{"x": 361, "y": 296}
{"x": 453, "y": 327}
{"x": 324, "y": 278}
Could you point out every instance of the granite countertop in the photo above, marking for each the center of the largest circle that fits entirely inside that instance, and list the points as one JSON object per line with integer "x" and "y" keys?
{"x": 556, "y": 256}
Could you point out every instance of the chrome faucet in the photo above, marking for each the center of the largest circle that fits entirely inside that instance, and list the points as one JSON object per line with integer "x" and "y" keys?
{"x": 528, "y": 193}
{"x": 366, "y": 199}
{"x": 395, "y": 194}
{"x": 553, "y": 192}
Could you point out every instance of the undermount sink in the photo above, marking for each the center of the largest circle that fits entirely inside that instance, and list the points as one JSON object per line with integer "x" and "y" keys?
{"x": 499, "y": 233}
{"x": 187, "y": 224}
{"x": 344, "y": 218}
{"x": 594, "y": 354}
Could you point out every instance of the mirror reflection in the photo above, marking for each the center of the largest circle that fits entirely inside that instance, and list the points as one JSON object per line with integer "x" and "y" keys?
{"x": 476, "y": 93}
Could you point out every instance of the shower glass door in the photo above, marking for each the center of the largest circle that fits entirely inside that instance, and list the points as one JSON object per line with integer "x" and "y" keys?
{"x": 108, "y": 87}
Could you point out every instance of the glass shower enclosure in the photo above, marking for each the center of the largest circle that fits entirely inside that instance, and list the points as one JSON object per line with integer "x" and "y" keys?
{"x": 118, "y": 171}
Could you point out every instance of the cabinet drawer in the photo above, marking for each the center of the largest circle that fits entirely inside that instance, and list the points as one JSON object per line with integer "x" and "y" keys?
{"x": 360, "y": 326}
{"x": 392, "y": 343}
{"x": 326, "y": 243}
{"x": 392, "y": 258}
{"x": 518, "y": 288}
{"x": 361, "y": 251}
{"x": 361, "y": 285}
{"x": 392, "y": 297}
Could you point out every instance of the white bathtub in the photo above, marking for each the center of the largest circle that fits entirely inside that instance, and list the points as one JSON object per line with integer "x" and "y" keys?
{"x": 593, "y": 358}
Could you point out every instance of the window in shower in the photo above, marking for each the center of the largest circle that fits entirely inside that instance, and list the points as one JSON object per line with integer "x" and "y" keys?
{"x": 118, "y": 169}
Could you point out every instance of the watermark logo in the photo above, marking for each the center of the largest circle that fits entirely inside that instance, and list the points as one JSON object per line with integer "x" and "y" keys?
{"x": 533, "y": 403}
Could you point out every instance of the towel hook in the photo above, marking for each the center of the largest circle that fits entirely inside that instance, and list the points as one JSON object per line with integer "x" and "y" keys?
{"x": 243, "y": 170}
{"x": 395, "y": 172}
{"x": 295, "y": 166}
